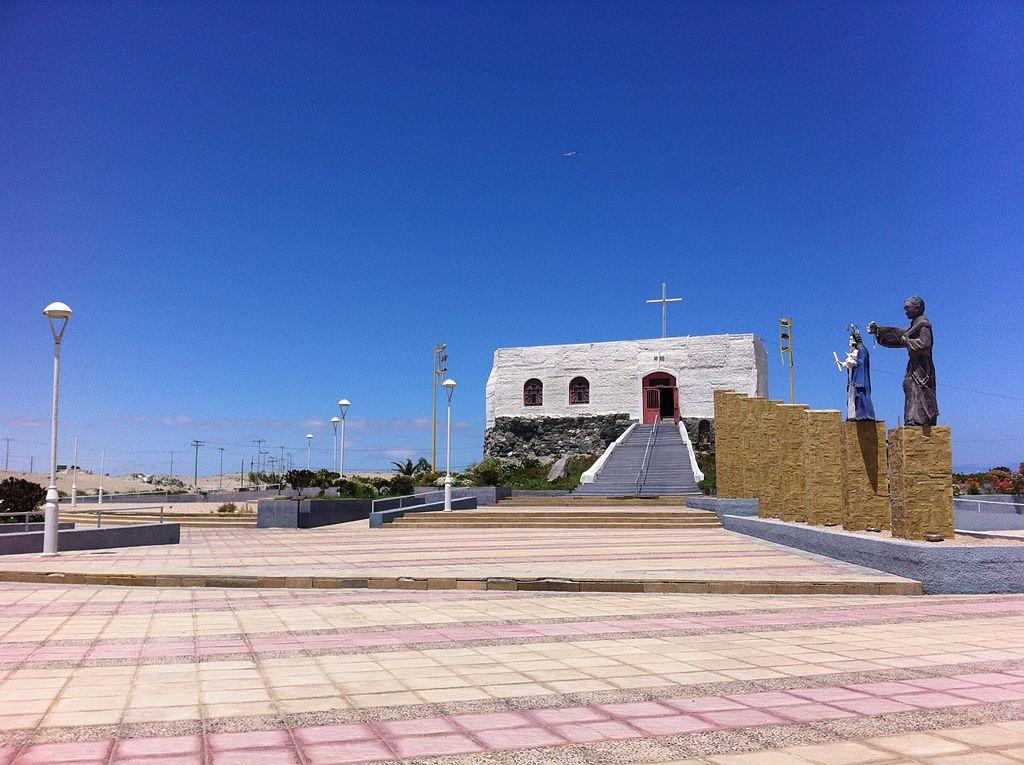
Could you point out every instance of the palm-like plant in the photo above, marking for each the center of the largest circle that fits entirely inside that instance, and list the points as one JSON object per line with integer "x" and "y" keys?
{"x": 405, "y": 468}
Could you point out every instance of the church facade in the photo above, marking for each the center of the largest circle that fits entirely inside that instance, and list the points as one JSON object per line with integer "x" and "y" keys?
{"x": 551, "y": 400}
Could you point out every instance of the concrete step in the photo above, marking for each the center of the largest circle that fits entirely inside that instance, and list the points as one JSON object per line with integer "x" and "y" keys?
{"x": 576, "y": 500}
{"x": 551, "y": 525}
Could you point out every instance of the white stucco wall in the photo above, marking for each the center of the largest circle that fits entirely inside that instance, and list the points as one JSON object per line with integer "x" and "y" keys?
{"x": 616, "y": 371}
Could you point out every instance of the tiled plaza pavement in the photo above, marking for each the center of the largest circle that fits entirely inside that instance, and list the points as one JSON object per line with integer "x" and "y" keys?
{"x": 450, "y": 558}
{"x": 107, "y": 674}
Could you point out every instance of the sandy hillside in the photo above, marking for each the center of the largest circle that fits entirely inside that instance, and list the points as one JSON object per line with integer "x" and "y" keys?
{"x": 89, "y": 483}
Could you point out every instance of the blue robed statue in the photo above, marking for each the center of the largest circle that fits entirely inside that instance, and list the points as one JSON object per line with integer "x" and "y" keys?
{"x": 858, "y": 378}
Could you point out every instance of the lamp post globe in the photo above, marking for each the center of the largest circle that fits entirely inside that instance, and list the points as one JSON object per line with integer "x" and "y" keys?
{"x": 309, "y": 448}
{"x": 58, "y": 314}
{"x": 449, "y": 387}
{"x": 343, "y": 405}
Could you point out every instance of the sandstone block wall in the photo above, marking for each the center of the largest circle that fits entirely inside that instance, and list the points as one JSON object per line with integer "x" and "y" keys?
{"x": 728, "y": 450}
{"x": 921, "y": 492}
{"x": 866, "y": 502}
{"x": 792, "y": 464}
{"x": 772, "y": 494}
{"x": 825, "y": 466}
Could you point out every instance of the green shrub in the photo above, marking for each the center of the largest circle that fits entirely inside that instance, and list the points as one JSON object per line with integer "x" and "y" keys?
{"x": 228, "y": 507}
{"x": 401, "y": 485}
{"x": 20, "y": 496}
{"x": 706, "y": 463}
{"x": 300, "y": 479}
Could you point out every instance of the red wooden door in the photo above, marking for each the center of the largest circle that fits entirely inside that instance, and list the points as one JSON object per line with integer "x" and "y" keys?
{"x": 652, "y": 405}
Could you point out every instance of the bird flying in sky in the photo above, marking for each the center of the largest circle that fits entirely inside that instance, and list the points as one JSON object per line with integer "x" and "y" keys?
{"x": 569, "y": 154}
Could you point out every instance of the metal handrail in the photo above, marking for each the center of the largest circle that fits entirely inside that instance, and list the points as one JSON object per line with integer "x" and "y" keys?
{"x": 25, "y": 515}
{"x": 641, "y": 477}
{"x": 99, "y": 512}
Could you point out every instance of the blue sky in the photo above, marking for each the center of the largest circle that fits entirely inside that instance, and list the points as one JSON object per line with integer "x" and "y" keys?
{"x": 258, "y": 208}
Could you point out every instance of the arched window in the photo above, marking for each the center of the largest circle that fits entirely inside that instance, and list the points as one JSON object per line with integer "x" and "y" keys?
{"x": 533, "y": 392}
{"x": 579, "y": 390}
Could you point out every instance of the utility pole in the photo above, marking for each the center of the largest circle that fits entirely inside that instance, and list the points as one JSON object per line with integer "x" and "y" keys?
{"x": 195, "y": 481}
{"x": 7, "y": 458}
{"x": 786, "y": 348}
{"x": 172, "y": 463}
{"x": 259, "y": 451}
{"x": 221, "y": 449}
{"x": 440, "y": 368}
{"x": 241, "y": 472}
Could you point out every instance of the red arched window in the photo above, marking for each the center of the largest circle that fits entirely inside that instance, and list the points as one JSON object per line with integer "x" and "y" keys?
{"x": 579, "y": 390}
{"x": 533, "y": 392}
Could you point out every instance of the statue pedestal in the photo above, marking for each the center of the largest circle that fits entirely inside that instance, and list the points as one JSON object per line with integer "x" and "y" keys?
{"x": 825, "y": 458}
{"x": 921, "y": 491}
{"x": 866, "y": 490}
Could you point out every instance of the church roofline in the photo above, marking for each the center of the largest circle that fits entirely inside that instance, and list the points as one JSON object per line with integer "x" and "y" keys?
{"x": 750, "y": 335}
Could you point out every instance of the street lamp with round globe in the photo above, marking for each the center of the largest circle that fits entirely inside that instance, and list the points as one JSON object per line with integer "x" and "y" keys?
{"x": 58, "y": 314}
{"x": 309, "y": 448}
{"x": 343, "y": 405}
{"x": 334, "y": 456}
{"x": 449, "y": 386}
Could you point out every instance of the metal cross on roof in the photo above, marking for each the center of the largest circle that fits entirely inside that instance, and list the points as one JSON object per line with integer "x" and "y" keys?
{"x": 665, "y": 300}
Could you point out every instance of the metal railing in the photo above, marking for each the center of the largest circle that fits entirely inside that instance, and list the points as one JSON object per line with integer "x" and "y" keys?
{"x": 641, "y": 476}
{"x": 130, "y": 511}
{"x": 1017, "y": 506}
{"x": 25, "y": 515}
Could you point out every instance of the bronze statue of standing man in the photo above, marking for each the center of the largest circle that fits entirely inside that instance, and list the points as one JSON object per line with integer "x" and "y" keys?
{"x": 921, "y": 406}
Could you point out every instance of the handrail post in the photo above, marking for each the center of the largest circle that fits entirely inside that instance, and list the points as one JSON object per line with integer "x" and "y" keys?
{"x": 99, "y": 516}
{"x": 161, "y": 513}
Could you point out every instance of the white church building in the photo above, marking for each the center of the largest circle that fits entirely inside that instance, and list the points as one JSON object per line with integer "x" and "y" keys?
{"x": 549, "y": 400}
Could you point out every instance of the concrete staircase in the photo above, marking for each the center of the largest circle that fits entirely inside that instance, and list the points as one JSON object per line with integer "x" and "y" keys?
{"x": 653, "y": 461}
{"x": 623, "y": 517}
{"x": 190, "y": 520}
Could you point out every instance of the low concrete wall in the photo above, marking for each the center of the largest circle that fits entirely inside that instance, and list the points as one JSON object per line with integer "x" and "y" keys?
{"x": 379, "y": 518}
{"x": 93, "y": 538}
{"x": 962, "y": 570}
{"x": 169, "y": 498}
{"x": 723, "y": 506}
{"x": 972, "y": 520}
{"x": 991, "y": 503}
{"x": 485, "y": 495}
{"x": 15, "y": 528}
{"x": 310, "y": 513}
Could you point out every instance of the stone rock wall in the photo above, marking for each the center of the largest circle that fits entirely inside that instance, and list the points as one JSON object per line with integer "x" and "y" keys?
{"x": 825, "y": 467}
{"x": 921, "y": 491}
{"x": 728, "y": 460}
{"x": 793, "y": 465}
{"x": 867, "y": 482}
{"x": 548, "y": 438}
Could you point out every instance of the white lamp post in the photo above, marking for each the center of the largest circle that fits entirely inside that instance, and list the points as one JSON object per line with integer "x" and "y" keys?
{"x": 334, "y": 459}
{"x": 58, "y": 314}
{"x": 343, "y": 405}
{"x": 103, "y": 456}
{"x": 449, "y": 386}
{"x": 309, "y": 448}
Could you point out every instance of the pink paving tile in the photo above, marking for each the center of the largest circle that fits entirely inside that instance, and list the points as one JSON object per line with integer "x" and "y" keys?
{"x": 987, "y": 678}
{"x": 269, "y": 756}
{"x": 834, "y": 693}
{"x": 874, "y": 705}
{"x": 940, "y": 683}
{"x": 519, "y": 738}
{"x": 741, "y": 718}
{"x": 263, "y": 739}
{"x": 767, "y": 699}
{"x": 334, "y": 733}
{"x": 703, "y": 704}
{"x": 173, "y": 759}
{"x": 157, "y": 746}
{"x": 673, "y": 725}
{"x": 416, "y": 727}
{"x": 989, "y": 694}
{"x": 346, "y": 752}
{"x": 811, "y": 712}
{"x": 882, "y": 689}
{"x": 72, "y": 752}
{"x": 7, "y": 754}
{"x": 568, "y": 715}
{"x": 492, "y": 721}
{"x": 434, "y": 746}
{"x": 934, "y": 700}
{"x": 636, "y": 709}
{"x": 602, "y": 730}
